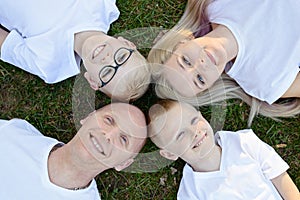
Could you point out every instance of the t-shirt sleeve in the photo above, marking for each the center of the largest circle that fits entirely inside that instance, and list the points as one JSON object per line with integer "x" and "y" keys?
{"x": 109, "y": 15}
{"x": 29, "y": 54}
{"x": 187, "y": 185}
{"x": 272, "y": 165}
{"x": 184, "y": 192}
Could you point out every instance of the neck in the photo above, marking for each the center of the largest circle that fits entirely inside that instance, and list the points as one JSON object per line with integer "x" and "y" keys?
{"x": 209, "y": 162}
{"x": 81, "y": 37}
{"x": 226, "y": 39}
{"x": 67, "y": 171}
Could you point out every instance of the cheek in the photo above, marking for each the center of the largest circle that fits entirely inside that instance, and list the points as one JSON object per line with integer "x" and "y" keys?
{"x": 92, "y": 69}
{"x": 180, "y": 148}
{"x": 121, "y": 155}
{"x": 212, "y": 76}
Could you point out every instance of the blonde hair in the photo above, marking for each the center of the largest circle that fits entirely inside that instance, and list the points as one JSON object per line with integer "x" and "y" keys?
{"x": 155, "y": 112}
{"x": 139, "y": 80}
{"x": 193, "y": 20}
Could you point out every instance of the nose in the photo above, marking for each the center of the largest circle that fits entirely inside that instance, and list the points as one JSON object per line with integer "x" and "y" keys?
{"x": 200, "y": 129}
{"x": 106, "y": 56}
{"x": 199, "y": 64}
{"x": 111, "y": 134}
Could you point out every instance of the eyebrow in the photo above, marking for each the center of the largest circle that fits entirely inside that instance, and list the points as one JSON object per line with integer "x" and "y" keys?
{"x": 180, "y": 65}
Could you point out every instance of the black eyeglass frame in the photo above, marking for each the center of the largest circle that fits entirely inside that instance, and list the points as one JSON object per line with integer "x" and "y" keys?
{"x": 115, "y": 68}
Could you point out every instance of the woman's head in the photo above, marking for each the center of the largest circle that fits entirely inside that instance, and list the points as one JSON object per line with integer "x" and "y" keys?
{"x": 114, "y": 66}
{"x": 179, "y": 130}
{"x": 177, "y": 58}
{"x": 195, "y": 65}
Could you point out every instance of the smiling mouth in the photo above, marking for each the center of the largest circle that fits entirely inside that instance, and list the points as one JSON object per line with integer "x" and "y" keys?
{"x": 211, "y": 58}
{"x": 98, "y": 50}
{"x": 200, "y": 141}
{"x": 97, "y": 145}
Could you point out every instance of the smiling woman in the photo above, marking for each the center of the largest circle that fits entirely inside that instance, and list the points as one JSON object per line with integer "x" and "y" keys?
{"x": 217, "y": 37}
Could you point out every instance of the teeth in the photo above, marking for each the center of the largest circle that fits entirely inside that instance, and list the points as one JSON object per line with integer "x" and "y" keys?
{"x": 201, "y": 141}
{"x": 97, "y": 145}
{"x": 197, "y": 145}
{"x": 97, "y": 51}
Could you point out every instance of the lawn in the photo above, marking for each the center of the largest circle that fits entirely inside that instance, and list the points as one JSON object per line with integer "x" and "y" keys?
{"x": 55, "y": 110}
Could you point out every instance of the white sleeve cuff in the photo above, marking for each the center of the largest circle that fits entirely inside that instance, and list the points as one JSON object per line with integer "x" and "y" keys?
{"x": 12, "y": 40}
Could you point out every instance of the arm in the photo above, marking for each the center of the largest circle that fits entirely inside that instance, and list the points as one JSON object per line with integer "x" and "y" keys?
{"x": 294, "y": 89}
{"x": 286, "y": 187}
{"x": 28, "y": 54}
{"x": 3, "y": 35}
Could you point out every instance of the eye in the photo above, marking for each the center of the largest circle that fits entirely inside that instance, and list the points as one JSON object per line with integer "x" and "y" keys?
{"x": 186, "y": 61}
{"x": 106, "y": 72}
{"x": 200, "y": 79}
{"x": 109, "y": 120}
{"x": 124, "y": 139}
{"x": 180, "y": 135}
{"x": 121, "y": 58}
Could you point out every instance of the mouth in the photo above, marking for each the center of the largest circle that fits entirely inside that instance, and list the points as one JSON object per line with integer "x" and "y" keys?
{"x": 211, "y": 58}
{"x": 97, "y": 145}
{"x": 97, "y": 51}
{"x": 200, "y": 141}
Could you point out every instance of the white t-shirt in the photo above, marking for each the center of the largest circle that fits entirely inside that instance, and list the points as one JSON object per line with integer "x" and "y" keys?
{"x": 247, "y": 167}
{"x": 41, "y": 38}
{"x": 267, "y": 33}
{"x": 24, "y": 155}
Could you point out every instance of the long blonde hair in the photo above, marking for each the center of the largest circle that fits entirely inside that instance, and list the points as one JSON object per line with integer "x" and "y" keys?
{"x": 194, "y": 20}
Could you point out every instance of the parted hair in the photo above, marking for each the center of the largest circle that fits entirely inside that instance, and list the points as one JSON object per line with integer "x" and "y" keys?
{"x": 194, "y": 20}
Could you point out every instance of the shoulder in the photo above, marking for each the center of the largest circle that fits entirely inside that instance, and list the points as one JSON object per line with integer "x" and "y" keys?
{"x": 240, "y": 136}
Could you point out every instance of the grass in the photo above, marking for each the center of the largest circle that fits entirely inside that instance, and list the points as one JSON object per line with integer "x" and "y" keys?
{"x": 50, "y": 108}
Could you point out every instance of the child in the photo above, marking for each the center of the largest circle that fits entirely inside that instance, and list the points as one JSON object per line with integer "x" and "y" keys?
{"x": 49, "y": 38}
{"x": 215, "y": 38}
{"x": 227, "y": 165}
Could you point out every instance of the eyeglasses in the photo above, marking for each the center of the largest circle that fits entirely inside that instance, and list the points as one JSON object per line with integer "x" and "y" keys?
{"x": 108, "y": 72}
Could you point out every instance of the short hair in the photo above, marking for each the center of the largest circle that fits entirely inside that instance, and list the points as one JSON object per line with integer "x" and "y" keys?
{"x": 140, "y": 79}
{"x": 155, "y": 112}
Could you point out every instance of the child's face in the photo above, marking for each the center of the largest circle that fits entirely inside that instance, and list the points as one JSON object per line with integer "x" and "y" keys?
{"x": 186, "y": 133}
{"x": 108, "y": 61}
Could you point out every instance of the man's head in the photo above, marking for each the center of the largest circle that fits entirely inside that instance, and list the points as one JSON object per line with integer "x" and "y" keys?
{"x": 115, "y": 67}
{"x": 114, "y": 134}
{"x": 179, "y": 130}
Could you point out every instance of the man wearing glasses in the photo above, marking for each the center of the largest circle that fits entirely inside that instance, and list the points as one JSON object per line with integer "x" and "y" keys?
{"x": 49, "y": 38}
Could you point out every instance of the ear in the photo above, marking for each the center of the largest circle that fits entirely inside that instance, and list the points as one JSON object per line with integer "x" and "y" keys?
{"x": 93, "y": 84}
{"x": 127, "y": 42}
{"x": 168, "y": 155}
{"x": 84, "y": 119}
{"x": 124, "y": 164}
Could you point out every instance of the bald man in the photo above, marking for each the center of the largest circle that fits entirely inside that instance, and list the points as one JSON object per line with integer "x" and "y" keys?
{"x": 37, "y": 167}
